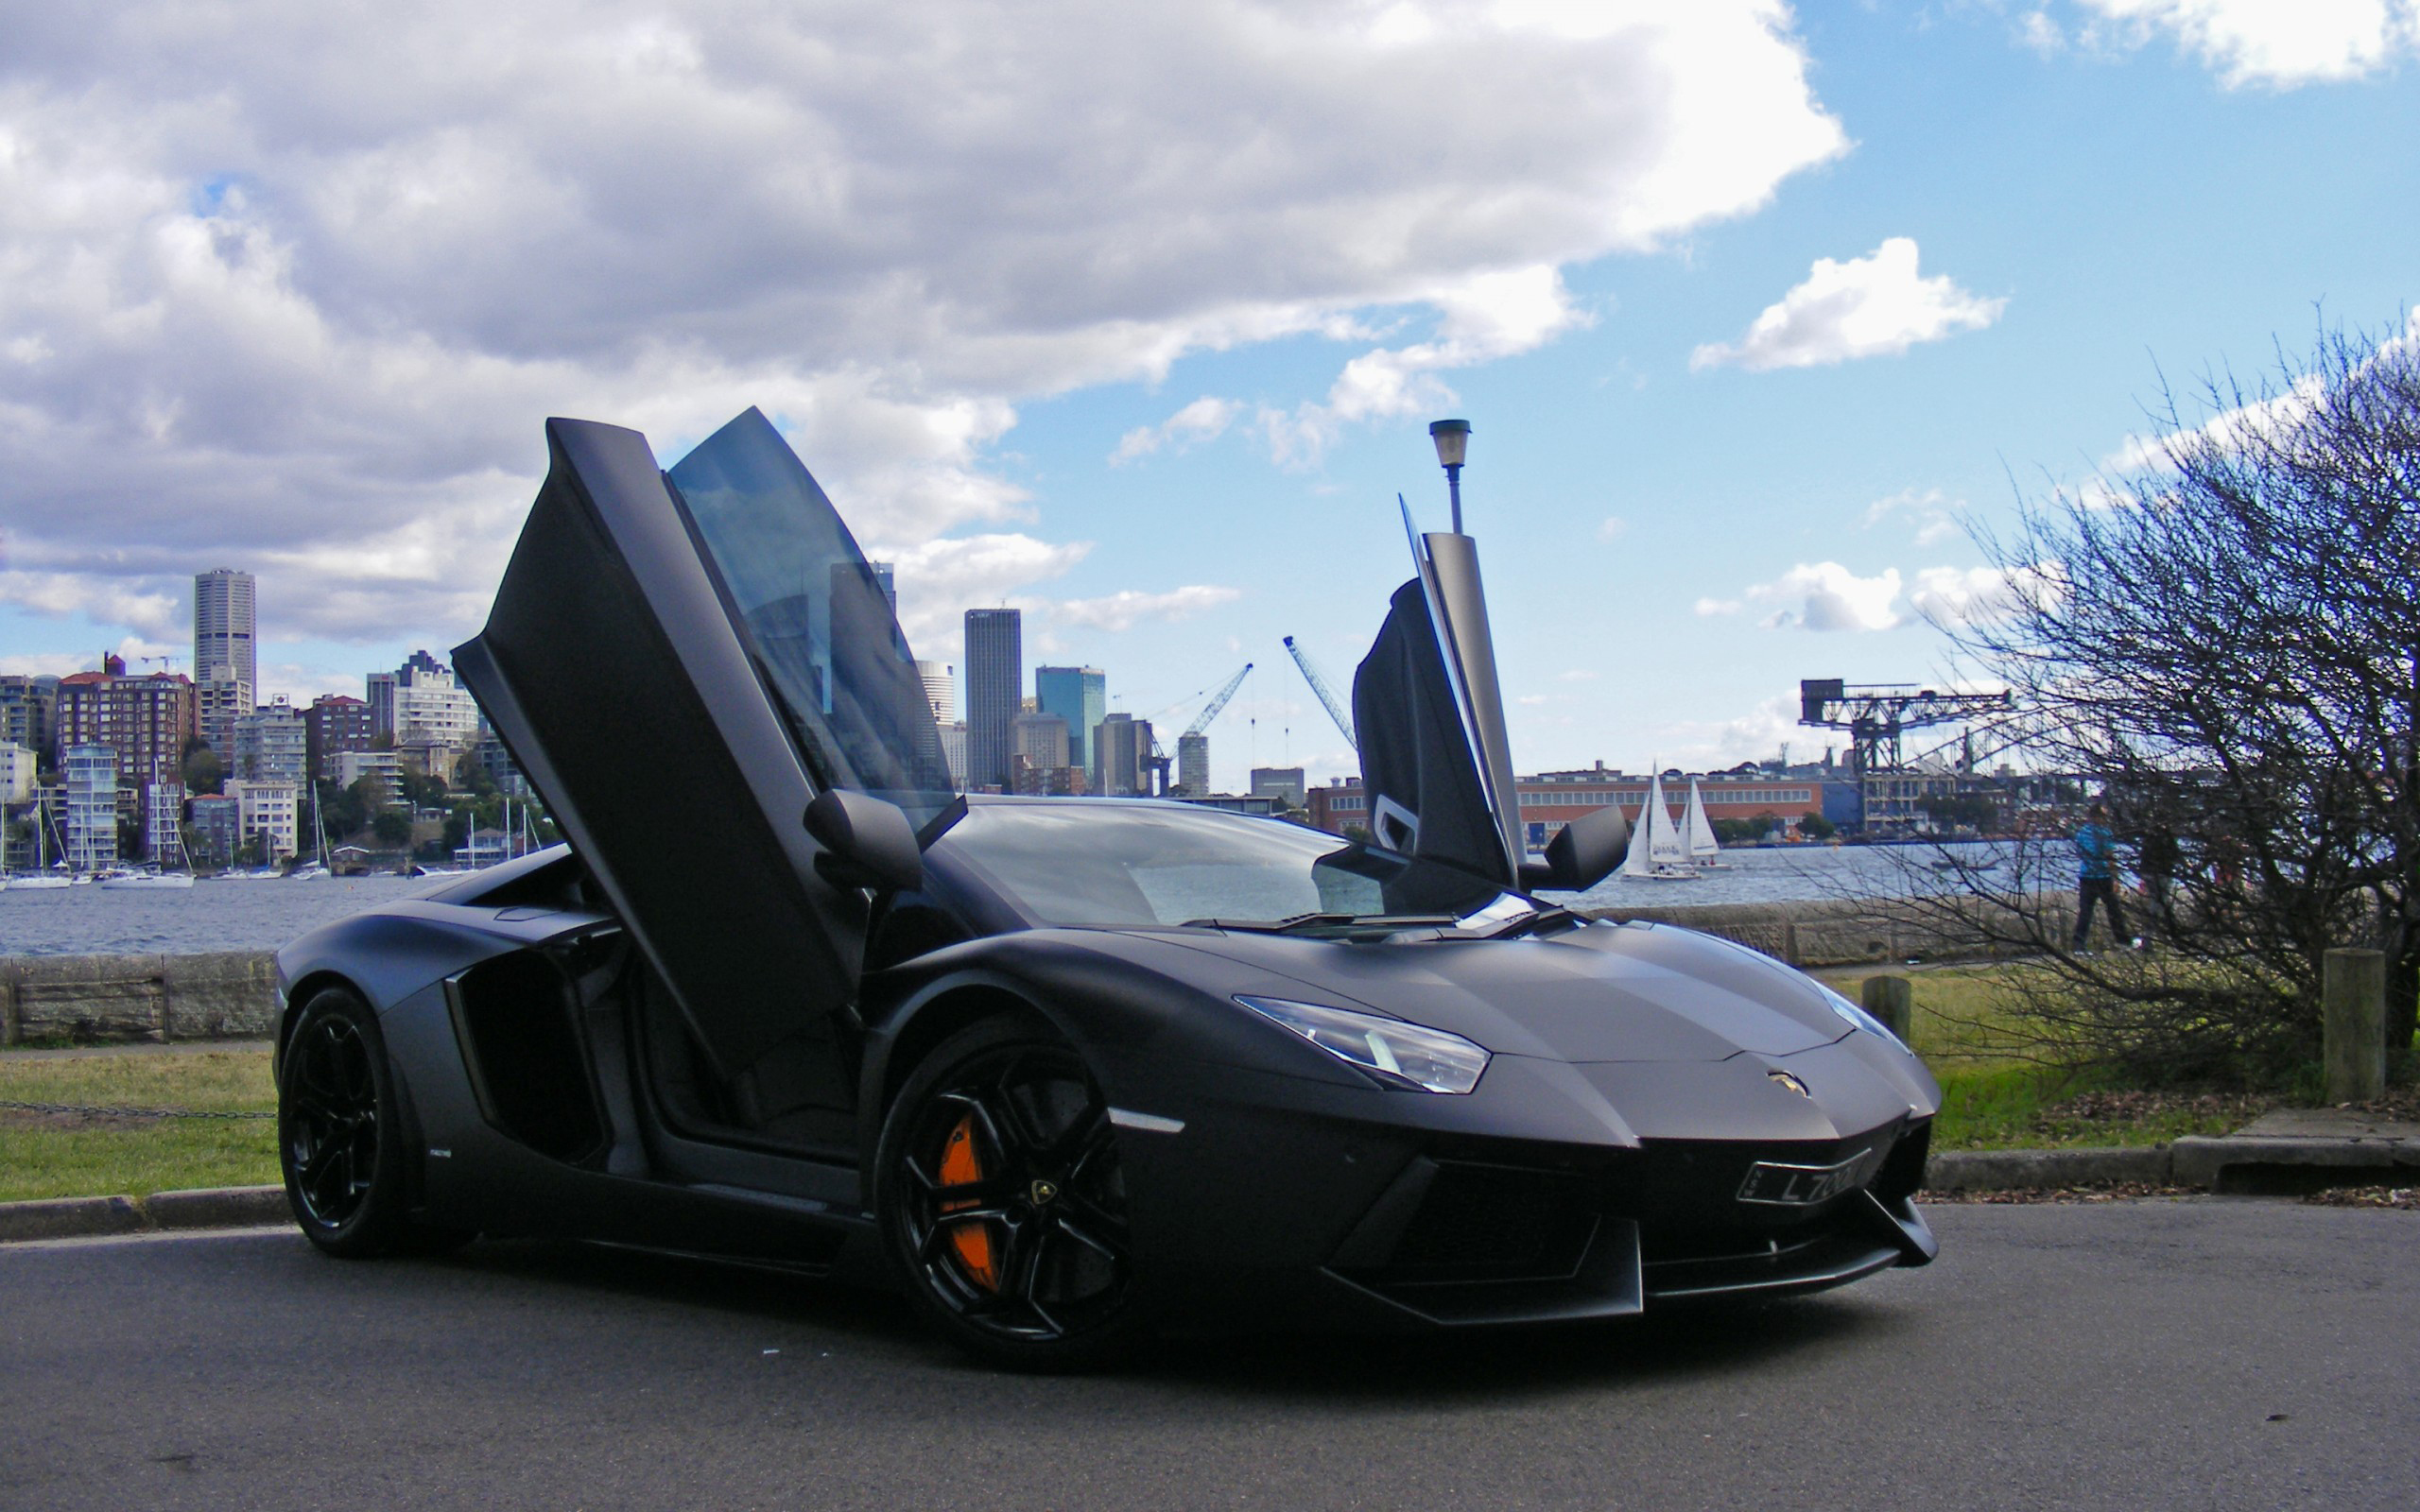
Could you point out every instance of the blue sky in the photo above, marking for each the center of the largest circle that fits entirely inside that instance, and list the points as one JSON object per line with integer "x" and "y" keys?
{"x": 1567, "y": 231}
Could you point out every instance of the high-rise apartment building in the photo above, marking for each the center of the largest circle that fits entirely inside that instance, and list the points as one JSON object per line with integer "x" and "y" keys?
{"x": 994, "y": 687}
{"x": 269, "y": 810}
{"x": 145, "y": 720}
{"x": 1122, "y": 757}
{"x": 941, "y": 690}
{"x": 219, "y": 698}
{"x": 1081, "y": 697}
{"x": 334, "y": 724}
{"x": 1193, "y": 765}
{"x": 29, "y": 715}
{"x": 1041, "y": 739}
{"x": 420, "y": 704}
{"x": 954, "y": 752}
{"x": 272, "y": 744}
{"x": 16, "y": 774}
{"x": 1279, "y": 782}
{"x": 225, "y": 629}
{"x": 91, "y": 820}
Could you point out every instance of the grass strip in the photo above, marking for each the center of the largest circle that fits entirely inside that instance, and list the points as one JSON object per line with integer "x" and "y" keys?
{"x": 74, "y": 1155}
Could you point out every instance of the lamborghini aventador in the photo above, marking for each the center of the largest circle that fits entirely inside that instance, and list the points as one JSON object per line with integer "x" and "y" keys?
{"x": 1065, "y": 1070}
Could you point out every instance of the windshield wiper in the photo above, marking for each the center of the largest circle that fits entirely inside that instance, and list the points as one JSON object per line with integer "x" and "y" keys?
{"x": 1299, "y": 922}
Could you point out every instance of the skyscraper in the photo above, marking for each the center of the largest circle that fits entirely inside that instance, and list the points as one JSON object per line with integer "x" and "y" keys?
{"x": 1081, "y": 697}
{"x": 941, "y": 690}
{"x": 224, "y": 630}
{"x": 995, "y": 686}
{"x": 885, "y": 585}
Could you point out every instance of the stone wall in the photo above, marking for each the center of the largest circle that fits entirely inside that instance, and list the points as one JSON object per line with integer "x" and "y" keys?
{"x": 232, "y": 994}
{"x": 1834, "y": 932}
{"x": 224, "y": 995}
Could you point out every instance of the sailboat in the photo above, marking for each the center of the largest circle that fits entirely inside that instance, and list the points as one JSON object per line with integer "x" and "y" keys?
{"x": 1657, "y": 853}
{"x": 1697, "y": 833}
{"x": 316, "y": 870}
{"x": 42, "y": 879}
{"x": 155, "y": 878}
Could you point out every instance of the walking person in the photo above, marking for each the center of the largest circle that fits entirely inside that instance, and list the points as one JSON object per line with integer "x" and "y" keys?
{"x": 2097, "y": 878}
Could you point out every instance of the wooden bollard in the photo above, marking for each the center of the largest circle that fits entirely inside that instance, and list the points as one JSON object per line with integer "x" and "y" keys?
{"x": 2352, "y": 1001}
{"x": 1893, "y": 999}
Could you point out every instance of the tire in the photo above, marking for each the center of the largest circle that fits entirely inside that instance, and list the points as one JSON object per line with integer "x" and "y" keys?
{"x": 1002, "y": 1205}
{"x": 340, "y": 1136}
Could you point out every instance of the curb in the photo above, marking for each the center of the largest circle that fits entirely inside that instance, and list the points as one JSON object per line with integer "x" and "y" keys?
{"x": 2258, "y": 1166}
{"x": 100, "y": 1217}
{"x": 2272, "y": 1165}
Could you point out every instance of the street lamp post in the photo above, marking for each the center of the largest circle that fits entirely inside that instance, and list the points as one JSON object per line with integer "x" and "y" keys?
{"x": 1453, "y": 438}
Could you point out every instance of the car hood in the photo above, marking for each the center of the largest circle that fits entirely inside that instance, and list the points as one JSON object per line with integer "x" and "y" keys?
{"x": 1607, "y": 993}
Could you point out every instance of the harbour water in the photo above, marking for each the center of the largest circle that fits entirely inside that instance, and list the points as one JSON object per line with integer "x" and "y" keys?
{"x": 245, "y": 916}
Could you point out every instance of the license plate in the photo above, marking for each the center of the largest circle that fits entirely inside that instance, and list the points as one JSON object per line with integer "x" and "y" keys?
{"x": 1803, "y": 1186}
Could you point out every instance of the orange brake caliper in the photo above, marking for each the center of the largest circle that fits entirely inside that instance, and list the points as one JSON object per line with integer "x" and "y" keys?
{"x": 972, "y": 1241}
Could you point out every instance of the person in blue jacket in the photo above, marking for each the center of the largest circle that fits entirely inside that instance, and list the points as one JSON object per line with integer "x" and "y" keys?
{"x": 2097, "y": 877}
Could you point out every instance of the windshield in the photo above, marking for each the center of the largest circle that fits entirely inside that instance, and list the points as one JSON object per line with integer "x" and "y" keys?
{"x": 1115, "y": 864}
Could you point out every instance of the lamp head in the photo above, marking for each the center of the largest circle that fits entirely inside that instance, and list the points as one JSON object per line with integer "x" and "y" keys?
{"x": 1453, "y": 438}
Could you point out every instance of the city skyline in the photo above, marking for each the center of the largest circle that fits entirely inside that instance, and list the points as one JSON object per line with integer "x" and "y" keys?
{"x": 1752, "y": 309}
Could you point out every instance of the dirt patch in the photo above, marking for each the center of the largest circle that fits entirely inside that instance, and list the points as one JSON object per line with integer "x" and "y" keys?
{"x": 2098, "y": 1192}
{"x": 2143, "y": 1107}
{"x": 2405, "y": 1198}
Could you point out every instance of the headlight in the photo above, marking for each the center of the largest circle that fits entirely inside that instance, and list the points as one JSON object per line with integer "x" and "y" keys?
{"x": 1859, "y": 1019}
{"x": 1398, "y": 1054}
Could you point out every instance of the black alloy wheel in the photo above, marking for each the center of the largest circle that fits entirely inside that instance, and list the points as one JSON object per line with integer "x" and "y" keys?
{"x": 340, "y": 1135}
{"x": 1003, "y": 1204}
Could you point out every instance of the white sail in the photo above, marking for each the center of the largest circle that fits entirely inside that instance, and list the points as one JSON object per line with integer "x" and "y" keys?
{"x": 1636, "y": 861}
{"x": 1700, "y": 832}
{"x": 1656, "y": 849}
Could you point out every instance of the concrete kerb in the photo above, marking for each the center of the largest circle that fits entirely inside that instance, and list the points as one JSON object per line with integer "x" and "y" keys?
{"x": 99, "y": 1217}
{"x": 2236, "y": 1164}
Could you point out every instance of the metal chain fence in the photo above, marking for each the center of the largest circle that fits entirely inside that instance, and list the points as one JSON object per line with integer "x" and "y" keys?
{"x": 91, "y": 1110}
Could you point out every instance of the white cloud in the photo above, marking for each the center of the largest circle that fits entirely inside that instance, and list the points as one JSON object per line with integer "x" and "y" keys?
{"x": 299, "y": 307}
{"x": 1127, "y": 607}
{"x": 1869, "y": 306}
{"x": 938, "y": 580}
{"x": 1577, "y": 675}
{"x": 1204, "y": 420}
{"x": 1707, "y": 608}
{"x": 2279, "y": 44}
{"x": 1949, "y": 596}
{"x": 1613, "y": 528}
{"x": 1932, "y": 514}
{"x": 1825, "y": 595}
{"x": 1486, "y": 318}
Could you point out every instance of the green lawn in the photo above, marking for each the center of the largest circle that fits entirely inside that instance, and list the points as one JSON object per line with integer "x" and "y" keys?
{"x": 1992, "y": 1100}
{"x": 56, "y": 1155}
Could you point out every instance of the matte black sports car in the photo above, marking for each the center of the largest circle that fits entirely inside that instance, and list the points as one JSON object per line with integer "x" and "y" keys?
{"x": 1063, "y": 1069}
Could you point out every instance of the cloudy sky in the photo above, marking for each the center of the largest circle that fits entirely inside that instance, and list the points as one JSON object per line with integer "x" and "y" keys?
{"x": 1134, "y": 316}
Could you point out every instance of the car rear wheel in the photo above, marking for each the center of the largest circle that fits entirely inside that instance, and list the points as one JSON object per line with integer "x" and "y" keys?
{"x": 339, "y": 1140}
{"x": 1002, "y": 1203}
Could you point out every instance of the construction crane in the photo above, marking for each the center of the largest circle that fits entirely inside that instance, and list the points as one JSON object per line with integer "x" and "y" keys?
{"x": 1326, "y": 695}
{"x": 1875, "y": 718}
{"x": 1193, "y": 747}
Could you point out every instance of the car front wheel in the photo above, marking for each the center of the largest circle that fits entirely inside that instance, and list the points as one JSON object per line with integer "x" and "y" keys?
{"x": 1002, "y": 1203}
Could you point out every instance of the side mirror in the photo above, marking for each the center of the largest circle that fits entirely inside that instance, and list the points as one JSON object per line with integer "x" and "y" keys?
{"x": 1583, "y": 854}
{"x": 866, "y": 842}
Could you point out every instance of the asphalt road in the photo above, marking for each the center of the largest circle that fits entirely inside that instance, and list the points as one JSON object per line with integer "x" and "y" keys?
{"x": 2172, "y": 1354}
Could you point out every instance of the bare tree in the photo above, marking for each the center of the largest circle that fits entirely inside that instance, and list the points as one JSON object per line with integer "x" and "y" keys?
{"x": 2224, "y": 637}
